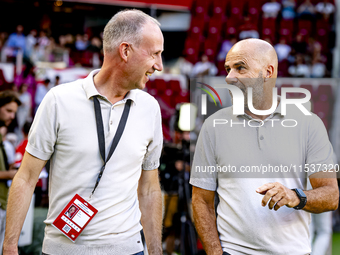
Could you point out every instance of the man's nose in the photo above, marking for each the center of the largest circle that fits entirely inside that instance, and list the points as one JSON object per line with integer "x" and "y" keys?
{"x": 159, "y": 64}
{"x": 231, "y": 78}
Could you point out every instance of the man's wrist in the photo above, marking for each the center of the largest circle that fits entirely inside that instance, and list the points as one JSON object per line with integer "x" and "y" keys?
{"x": 301, "y": 199}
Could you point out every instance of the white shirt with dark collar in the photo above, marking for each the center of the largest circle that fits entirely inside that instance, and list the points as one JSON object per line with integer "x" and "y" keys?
{"x": 64, "y": 130}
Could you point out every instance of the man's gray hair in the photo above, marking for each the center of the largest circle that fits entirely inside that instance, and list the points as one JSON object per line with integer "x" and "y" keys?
{"x": 125, "y": 26}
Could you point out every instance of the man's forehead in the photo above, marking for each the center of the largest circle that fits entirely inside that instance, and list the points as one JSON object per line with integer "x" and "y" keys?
{"x": 237, "y": 58}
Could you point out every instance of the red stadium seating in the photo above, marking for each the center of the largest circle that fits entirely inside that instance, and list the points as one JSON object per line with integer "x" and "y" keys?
{"x": 175, "y": 87}
{"x": 221, "y": 69}
{"x": 310, "y": 89}
{"x": 160, "y": 86}
{"x": 3, "y": 81}
{"x": 324, "y": 93}
{"x": 210, "y": 48}
{"x": 289, "y": 94}
{"x": 219, "y": 9}
{"x": 322, "y": 33}
{"x": 191, "y": 49}
{"x": 215, "y": 28}
{"x": 269, "y": 28}
{"x": 286, "y": 30}
{"x": 305, "y": 28}
{"x": 231, "y": 29}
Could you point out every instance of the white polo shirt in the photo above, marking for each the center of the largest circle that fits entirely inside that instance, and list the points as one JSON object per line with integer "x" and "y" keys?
{"x": 244, "y": 226}
{"x": 64, "y": 130}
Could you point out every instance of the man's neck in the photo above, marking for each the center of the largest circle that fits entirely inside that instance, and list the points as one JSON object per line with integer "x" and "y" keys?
{"x": 107, "y": 86}
{"x": 263, "y": 107}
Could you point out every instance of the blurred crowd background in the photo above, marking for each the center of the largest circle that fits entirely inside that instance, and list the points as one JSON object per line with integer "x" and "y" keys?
{"x": 44, "y": 43}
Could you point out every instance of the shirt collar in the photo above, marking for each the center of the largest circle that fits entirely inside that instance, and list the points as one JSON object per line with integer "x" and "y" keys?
{"x": 91, "y": 90}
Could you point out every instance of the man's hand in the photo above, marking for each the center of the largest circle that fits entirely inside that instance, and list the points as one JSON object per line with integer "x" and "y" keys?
{"x": 278, "y": 195}
{"x": 11, "y": 173}
{"x": 8, "y": 175}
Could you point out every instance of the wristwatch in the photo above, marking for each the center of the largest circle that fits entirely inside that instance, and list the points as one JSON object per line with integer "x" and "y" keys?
{"x": 303, "y": 199}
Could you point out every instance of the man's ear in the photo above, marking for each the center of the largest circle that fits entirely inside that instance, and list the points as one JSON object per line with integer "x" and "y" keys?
{"x": 124, "y": 50}
{"x": 269, "y": 72}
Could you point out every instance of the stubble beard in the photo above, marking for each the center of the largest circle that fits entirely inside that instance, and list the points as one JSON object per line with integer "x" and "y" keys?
{"x": 258, "y": 94}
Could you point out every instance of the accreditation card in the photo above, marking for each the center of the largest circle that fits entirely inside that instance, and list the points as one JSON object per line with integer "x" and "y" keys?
{"x": 74, "y": 217}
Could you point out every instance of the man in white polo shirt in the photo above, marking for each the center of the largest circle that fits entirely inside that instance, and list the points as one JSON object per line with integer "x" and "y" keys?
{"x": 65, "y": 131}
{"x": 248, "y": 142}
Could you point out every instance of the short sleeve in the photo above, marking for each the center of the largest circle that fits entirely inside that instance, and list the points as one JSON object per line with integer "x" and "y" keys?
{"x": 154, "y": 149}
{"x": 43, "y": 133}
{"x": 319, "y": 148}
{"x": 204, "y": 158}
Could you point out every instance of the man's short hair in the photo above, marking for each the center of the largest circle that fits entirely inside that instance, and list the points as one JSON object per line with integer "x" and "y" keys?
{"x": 8, "y": 96}
{"x": 125, "y": 26}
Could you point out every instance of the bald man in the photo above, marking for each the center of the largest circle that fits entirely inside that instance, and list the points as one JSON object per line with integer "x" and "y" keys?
{"x": 259, "y": 213}
{"x": 75, "y": 126}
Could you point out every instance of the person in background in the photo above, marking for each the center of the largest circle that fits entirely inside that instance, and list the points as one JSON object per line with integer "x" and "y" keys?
{"x": 282, "y": 49}
{"x": 25, "y": 109}
{"x": 288, "y": 9}
{"x": 16, "y": 41}
{"x": 57, "y": 80}
{"x": 306, "y": 10}
{"x": 9, "y": 103}
{"x": 80, "y": 43}
{"x": 31, "y": 40}
{"x": 325, "y": 8}
{"x": 300, "y": 68}
{"x": 41, "y": 92}
{"x": 204, "y": 68}
{"x": 248, "y": 30}
{"x": 271, "y": 9}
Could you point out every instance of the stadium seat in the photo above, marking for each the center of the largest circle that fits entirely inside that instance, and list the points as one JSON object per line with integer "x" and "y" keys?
{"x": 305, "y": 28}
{"x": 322, "y": 109}
{"x": 183, "y": 97}
{"x": 191, "y": 49}
{"x": 231, "y": 28}
{"x": 310, "y": 89}
{"x": 289, "y": 94}
{"x": 221, "y": 69}
{"x": 160, "y": 85}
{"x": 283, "y": 68}
{"x": 219, "y": 8}
{"x": 324, "y": 93}
{"x": 166, "y": 97}
{"x": 201, "y": 9}
{"x": 322, "y": 33}
{"x": 150, "y": 85}
{"x": 254, "y": 10}
{"x": 286, "y": 30}
{"x": 215, "y": 28}
{"x": 197, "y": 28}
{"x": 2, "y": 79}
{"x": 175, "y": 87}
{"x": 210, "y": 48}
{"x": 269, "y": 28}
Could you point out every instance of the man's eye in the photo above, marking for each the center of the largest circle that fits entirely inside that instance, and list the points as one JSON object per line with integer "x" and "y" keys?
{"x": 228, "y": 70}
{"x": 240, "y": 68}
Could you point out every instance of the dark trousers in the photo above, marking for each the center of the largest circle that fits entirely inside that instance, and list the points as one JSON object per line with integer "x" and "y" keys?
{"x": 226, "y": 253}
